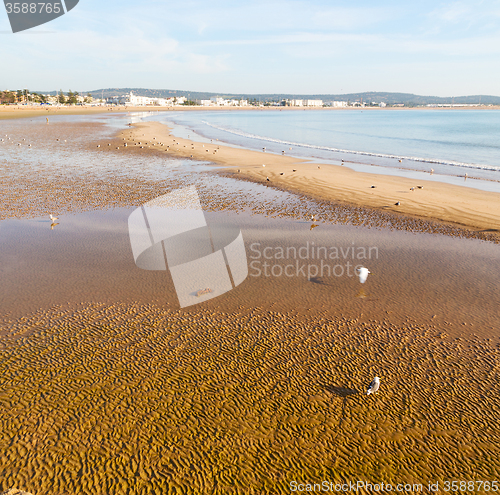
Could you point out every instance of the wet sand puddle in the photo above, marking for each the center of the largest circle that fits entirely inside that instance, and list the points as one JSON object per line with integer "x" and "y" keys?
{"x": 108, "y": 387}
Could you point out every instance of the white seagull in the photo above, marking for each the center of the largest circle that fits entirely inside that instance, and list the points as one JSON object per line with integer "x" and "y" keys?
{"x": 53, "y": 218}
{"x": 374, "y": 386}
{"x": 363, "y": 274}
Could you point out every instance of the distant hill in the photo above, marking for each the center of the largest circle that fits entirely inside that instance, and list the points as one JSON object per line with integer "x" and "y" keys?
{"x": 389, "y": 98}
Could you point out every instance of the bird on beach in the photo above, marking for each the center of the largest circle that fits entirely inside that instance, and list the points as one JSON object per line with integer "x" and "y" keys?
{"x": 313, "y": 226}
{"x": 432, "y": 171}
{"x": 374, "y": 386}
{"x": 363, "y": 274}
{"x": 397, "y": 204}
{"x": 412, "y": 188}
{"x": 263, "y": 165}
{"x": 53, "y": 218}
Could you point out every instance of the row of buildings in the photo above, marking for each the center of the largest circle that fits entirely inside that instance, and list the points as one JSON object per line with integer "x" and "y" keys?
{"x": 215, "y": 101}
{"x": 144, "y": 101}
{"x": 132, "y": 100}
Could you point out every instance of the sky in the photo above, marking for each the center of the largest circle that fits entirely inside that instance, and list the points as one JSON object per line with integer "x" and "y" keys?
{"x": 449, "y": 48}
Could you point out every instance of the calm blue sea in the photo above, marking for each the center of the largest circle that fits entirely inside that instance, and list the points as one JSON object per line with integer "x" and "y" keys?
{"x": 452, "y": 142}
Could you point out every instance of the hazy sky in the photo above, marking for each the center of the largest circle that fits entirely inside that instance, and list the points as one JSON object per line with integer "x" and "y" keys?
{"x": 448, "y": 48}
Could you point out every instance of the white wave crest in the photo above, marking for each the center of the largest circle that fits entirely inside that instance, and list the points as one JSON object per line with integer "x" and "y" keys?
{"x": 365, "y": 153}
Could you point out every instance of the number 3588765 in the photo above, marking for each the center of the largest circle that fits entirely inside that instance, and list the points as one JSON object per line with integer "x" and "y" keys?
{"x": 33, "y": 8}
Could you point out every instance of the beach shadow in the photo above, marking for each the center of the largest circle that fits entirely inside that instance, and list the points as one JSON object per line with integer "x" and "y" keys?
{"x": 319, "y": 281}
{"x": 342, "y": 392}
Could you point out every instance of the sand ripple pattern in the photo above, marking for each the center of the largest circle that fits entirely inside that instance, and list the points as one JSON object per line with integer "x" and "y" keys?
{"x": 138, "y": 399}
{"x": 38, "y": 184}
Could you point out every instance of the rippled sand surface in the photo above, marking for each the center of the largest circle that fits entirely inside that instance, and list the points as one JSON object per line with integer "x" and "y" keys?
{"x": 136, "y": 399}
{"x": 107, "y": 387}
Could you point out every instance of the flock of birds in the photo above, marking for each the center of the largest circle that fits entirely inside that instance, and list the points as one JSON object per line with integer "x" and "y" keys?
{"x": 362, "y": 272}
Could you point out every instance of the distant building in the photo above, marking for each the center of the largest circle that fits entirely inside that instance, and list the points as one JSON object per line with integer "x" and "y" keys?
{"x": 144, "y": 101}
{"x": 339, "y": 104}
{"x": 220, "y": 102}
{"x": 313, "y": 103}
{"x": 382, "y": 104}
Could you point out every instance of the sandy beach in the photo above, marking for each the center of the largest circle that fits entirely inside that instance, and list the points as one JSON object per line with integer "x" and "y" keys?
{"x": 476, "y": 210}
{"x": 27, "y": 111}
{"x": 109, "y": 387}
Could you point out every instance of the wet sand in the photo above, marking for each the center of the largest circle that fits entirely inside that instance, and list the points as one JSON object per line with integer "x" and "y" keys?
{"x": 135, "y": 398}
{"x": 107, "y": 387}
{"x": 463, "y": 207}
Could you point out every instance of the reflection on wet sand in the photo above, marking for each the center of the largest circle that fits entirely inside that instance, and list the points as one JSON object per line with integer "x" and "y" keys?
{"x": 107, "y": 386}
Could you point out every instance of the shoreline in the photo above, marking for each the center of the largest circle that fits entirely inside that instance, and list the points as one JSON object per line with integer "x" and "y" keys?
{"x": 433, "y": 201}
{"x": 23, "y": 111}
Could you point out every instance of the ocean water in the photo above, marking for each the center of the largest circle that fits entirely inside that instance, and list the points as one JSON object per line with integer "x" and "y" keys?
{"x": 452, "y": 142}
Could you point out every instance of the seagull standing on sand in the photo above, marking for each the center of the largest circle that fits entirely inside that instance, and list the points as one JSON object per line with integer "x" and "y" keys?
{"x": 363, "y": 274}
{"x": 53, "y": 218}
{"x": 374, "y": 386}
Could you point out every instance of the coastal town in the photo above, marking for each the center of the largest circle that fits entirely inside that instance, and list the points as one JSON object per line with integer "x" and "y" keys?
{"x": 25, "y": 97}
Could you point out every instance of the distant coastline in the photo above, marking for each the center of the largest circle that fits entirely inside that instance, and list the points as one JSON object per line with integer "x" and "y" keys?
{"x": 28, "y": 111}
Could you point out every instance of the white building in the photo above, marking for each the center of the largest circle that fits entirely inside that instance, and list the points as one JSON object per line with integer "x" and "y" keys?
{"x": 142, "y": 101}
{"x": 313, "y": 103}
{"x": 220, "y": 102}
{"x": 339, "y": 104}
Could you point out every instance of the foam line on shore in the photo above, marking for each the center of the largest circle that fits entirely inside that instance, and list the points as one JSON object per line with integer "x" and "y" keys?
{"x": 354, "y": 152}
{"x": 464, "y": 207}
